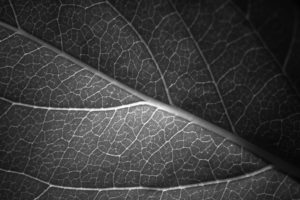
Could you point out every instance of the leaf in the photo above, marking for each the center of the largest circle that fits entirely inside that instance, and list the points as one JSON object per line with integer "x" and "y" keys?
{"x": 85, "y": 89}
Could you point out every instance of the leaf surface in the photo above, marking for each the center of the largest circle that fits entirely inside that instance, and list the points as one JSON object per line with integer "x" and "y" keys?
{"x": 131, "y": 100}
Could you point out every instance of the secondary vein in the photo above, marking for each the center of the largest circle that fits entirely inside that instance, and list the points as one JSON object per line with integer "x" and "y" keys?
{"x": 149, "y": 51}
{"x": 208, "y": 68}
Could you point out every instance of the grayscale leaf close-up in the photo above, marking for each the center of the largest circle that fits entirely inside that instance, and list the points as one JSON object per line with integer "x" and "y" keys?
{"x": 149, "y": 99}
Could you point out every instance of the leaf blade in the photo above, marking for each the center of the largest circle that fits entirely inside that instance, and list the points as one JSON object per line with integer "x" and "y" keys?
{"x": 230, "y": 150}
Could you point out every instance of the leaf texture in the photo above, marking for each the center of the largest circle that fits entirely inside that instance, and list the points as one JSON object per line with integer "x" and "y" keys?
{"x": 231, "y": 80}
{"x": 79, "y": 119}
